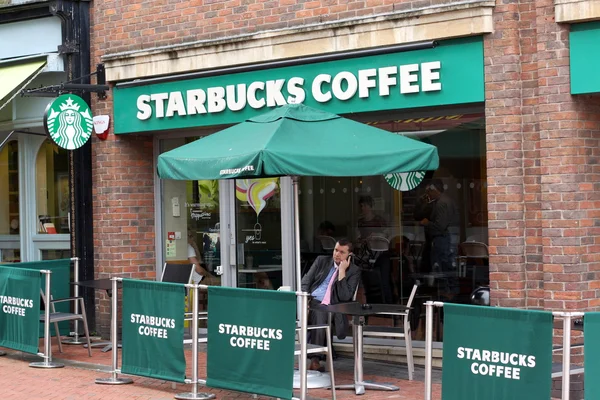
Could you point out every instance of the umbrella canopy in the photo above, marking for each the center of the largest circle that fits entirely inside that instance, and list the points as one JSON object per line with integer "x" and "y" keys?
{"x": 297, "y": 140}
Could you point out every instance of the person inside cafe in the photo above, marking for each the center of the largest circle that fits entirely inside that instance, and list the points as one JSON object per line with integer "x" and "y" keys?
{"x": 330, "y": 280}
{"x": 195, "y": 257}
{"x": 369, "y": 223}
{"x": 444, "y": 214}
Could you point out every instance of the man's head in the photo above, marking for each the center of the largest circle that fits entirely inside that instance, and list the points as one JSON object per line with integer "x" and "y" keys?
{"x": 343, "y": 249}
{"x": 365, "y": 203}
{"x": 435, "y": 188}
{"x": 326, "y": 228}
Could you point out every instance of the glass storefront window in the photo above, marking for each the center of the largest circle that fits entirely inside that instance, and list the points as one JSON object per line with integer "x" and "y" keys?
{"x": 258, "y": 224}
{"x": 9, "y": 189}
{"x": 402, "y": 235}
{"x": 52, "y": 189}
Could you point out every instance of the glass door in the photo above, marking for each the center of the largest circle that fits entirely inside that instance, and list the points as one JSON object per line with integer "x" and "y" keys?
{"x": 258, "y": 241}
{"x": 190, "y": 223}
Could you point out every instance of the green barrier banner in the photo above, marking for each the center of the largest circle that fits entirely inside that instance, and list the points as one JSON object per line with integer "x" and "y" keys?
{"x": 59, "y": 287}
{"x": 591, "y": 361}
{"x": 20, "y": 308}
{"x": 251, "y": 340}
{"x": 153, "y": 314}
{"x": 496, "y": 353}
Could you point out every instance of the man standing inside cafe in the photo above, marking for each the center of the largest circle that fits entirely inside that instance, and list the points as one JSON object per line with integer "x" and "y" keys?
{"x": 443, "y": 216}
{"x": 330, "y": 280}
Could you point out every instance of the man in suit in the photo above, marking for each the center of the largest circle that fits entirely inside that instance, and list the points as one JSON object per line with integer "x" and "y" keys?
{"x": 330, "y": 280}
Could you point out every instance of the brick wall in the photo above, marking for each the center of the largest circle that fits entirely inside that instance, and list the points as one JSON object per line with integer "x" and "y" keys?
{"x": 508, "y": 124}
{"x": 542, "y": 156}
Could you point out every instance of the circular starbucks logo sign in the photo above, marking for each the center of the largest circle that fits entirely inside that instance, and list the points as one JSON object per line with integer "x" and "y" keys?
{"x": 68, "y": 121}
{"x": 405, "y": 181}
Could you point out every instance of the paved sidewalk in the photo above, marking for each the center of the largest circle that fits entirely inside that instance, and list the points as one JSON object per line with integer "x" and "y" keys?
{"x": 76, "y": 380}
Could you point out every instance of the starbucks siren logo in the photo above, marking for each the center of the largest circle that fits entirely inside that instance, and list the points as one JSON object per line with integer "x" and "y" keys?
{"x": 68, "y": 121}
{"x": 405, "y": 181}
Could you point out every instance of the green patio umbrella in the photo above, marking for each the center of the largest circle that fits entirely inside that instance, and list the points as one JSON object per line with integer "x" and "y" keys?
{"x": 297, "y": 140}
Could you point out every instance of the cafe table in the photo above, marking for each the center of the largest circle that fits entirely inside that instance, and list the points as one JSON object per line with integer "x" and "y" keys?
{"x": 100, "y": 284}
{"x": 358, "y": 312}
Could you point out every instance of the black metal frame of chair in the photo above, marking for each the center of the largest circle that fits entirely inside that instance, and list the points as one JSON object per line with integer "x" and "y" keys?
{"x": 56, "y": 317}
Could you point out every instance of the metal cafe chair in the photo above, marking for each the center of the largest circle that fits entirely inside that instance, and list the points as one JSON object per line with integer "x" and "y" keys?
{"x": 398, "y": 332}
{"x": 327, "y": 243}
{"x": 327, "y": 349}
{"x": 177, "y": 273}
{"x": 377, "y": 244}
{"x": 56, "y": 317}
{"x": 476, "y": 251}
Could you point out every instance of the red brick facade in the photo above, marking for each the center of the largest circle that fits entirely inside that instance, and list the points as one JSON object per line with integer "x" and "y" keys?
{"x": 542, "y": 149}
{"x": 542, "y": 143}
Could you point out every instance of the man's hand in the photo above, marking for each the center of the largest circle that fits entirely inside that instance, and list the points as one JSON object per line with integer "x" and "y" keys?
{"x": 344, "y": 265}
{"x": 424, "y": 221}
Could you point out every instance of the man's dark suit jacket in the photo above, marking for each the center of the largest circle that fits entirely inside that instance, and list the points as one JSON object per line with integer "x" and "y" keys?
{"x": 342, "y": 290}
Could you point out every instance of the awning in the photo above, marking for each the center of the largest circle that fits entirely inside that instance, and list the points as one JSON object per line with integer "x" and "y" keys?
{"x": 15, "y": 76}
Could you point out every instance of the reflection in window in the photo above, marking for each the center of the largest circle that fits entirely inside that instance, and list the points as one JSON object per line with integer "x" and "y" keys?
{"x": 55, "y": 254}
{"x": 52, "y": 189}
{"x": 10, "y": 255}
{"x": 204, "y": 243}
{"x": 9, "y": 189}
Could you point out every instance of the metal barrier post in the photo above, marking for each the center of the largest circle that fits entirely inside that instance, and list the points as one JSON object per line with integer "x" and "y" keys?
{"x": 47, "y": 355}
{"x": 428, "y": 347}
{"x": 303, "y": 344}
{"x": 75, "y": 339}
{"x": 566, "y": 367}
{"x": 429, "y": 344}
{"x": 114, "y": 379}
{"x": 194, "y": 394}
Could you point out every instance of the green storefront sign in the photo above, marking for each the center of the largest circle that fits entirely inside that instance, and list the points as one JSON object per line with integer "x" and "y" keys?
{"x": 19, "y": 308}
{"x": 451, "y": 73}
{"x": 153, "y": 315}
{"x": 496, "y": 353}
{"x": 585, "y": 57}
{"x": 251, "y": 340}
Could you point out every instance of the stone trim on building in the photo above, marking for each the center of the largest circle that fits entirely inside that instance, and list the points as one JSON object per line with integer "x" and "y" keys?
{"x": 445, "y": 21}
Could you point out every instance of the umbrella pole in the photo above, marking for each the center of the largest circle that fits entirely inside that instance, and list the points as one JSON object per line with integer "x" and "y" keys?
{"x": 297, "y": 232}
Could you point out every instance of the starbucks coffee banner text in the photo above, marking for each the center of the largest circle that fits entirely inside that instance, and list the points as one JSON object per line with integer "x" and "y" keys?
{"x": 19, "y": 308}
{"x": 251, "y": 340}
{"x": 496, "y": 353}
{"x": 451, "y": 73}
{"x": 153, "y": 315}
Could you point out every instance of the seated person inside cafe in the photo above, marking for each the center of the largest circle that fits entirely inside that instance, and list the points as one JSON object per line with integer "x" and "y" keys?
{"x": 200, "y": 275}
{"x": 330, "y": 280}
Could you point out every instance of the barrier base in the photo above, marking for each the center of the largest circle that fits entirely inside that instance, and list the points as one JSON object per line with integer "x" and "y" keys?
{"x": 44, "y": 364}
{"x": 113, "y": 381}
{"x": 314, "y": 380}
{"x": 2, "y": 353}
{"x": 73, "y": 341}
{"x": 194, "y": 396}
